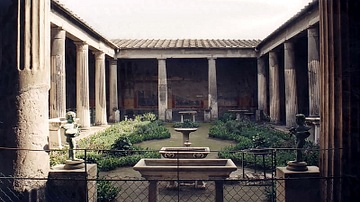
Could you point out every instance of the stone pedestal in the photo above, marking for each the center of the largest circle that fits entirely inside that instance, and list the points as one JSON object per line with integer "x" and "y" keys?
{"x": 298, "y": 185}
{"x": 168, "y": 115}
{"x": 207, "y": 115}
{"x": 186, "y": 133}
{"x": 314, "y": 122}
{"x": 72, "y": 185}
{"x": 56, "y": 133}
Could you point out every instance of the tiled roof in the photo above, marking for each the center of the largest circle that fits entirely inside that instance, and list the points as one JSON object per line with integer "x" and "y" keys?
{"x": 314, "y": 4}
{"x": 74, "y": 16}
{"x": 184, "y": 43}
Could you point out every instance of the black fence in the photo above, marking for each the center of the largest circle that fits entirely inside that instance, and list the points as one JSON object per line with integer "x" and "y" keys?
{"x": 256, "y": 179}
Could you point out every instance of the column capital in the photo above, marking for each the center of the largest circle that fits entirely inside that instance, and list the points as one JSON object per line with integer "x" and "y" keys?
{"x": 80, "y": 44}
{"x": 99, "y": 55}
{"x": 113, "y": 62}
{"x": 313, "y": 31}
{"x": 273, "y": 58}
{"x": 58, "y": 33}
{"x": 288, "y": 45}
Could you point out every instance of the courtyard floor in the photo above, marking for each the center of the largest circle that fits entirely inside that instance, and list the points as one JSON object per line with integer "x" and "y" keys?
{"x": 134, "y": 190}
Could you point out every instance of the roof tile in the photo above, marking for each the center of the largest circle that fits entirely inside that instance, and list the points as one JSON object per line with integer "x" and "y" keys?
{"x": 184, "y": 43}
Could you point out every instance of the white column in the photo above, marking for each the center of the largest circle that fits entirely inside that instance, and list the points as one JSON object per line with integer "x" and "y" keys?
{"x": 58, "y": 80}
{"x": 113, "y": 90}
{"x": 262, "y": 93}
{"x": 100, "y": 89}
{"x": 212, "y": 85}
{"x": 162, "y": 89}
{"x": 314, "y": 72}
{"x": 291, "y": 106}
{"x": 82, "y": 84}
{"x": 314, "y": 83}
{"x": 274, "y": 89}
{"x": 33, "y": 83}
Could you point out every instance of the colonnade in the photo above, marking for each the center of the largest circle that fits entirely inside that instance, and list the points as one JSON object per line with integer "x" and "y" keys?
{"x": 273, "y": 108}
{"x": 58, "y": 81}
{"x": 58, "y": 84}
{"x": 163, "y": 90}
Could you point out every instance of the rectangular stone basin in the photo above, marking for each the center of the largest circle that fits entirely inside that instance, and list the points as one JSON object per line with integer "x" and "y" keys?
{"x": 184, "y": 152}
{"x": 185, "y": 169}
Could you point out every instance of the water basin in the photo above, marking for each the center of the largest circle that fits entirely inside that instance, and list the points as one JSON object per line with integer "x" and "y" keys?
{"x": 184, "y": 152}
{"x": 185, "y": 169}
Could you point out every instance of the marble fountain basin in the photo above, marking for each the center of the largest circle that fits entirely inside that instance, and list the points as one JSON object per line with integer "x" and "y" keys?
{"x": 184, "y": 152}
{"x": 185, "y": 169}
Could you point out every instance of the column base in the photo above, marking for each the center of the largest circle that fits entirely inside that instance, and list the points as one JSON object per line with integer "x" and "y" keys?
{"x": 297, "y": 166}
{"x": 74, "y": 164}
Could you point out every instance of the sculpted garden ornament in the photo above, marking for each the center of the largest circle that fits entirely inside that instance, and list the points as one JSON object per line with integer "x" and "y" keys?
{"x": 186, "y": 127}
{"x": 71, "y": 131}
{"x": 301, "y": 132}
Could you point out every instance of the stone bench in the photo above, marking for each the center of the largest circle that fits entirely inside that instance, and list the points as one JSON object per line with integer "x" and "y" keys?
{"x": 182, "y": 113}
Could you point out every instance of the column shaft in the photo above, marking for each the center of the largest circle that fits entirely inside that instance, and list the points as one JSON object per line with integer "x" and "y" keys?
{"x": 291, "y": 108}
{"x": 162, "y": 89}
{"x": 213, "y": 101}
{"x": 262, "y": 93}
{"x": 274, "y": 90}
{"x": 113, "y": 90}
{"x": 58, "y": 80}
{"x": 100, "y": 89}
{"x": 314, "y": 72}
{"x": 82, "y": 84}
{"x": 32, "y": 128}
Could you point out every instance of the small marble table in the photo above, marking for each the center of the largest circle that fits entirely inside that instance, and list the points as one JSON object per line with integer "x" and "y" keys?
{"x": 182, "y": 113}
{"x": 238, "y": 112}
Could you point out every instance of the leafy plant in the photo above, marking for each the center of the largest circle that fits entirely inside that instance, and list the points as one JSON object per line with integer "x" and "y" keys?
{"x": 149, "y": 117}
{"x": 186, "y": 124}
{"x": 249, "y": 135}
{"x": 122, "y": 143}
{"x": 259, "y": 141}
{"x": 106, "y": 191}
{"x": 58, "y": 157}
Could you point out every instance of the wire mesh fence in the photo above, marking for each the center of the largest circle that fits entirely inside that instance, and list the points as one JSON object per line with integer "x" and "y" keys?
{"x": 168, "y": 190}
{"x": 255, "y": 179}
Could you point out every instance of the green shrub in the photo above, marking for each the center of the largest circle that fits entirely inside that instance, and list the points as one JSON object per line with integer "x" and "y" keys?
{"x": 150, "y": 131}
{"x": 112, "y": 148}
{"x": 91, "y": 156}
{"x": 227, "y": 117}
{"x": 58, "y": 157}
{"x": 106, "y": 191}
{"x": 124, "y": 144}
{"x": 186, "y": 124}
{"x": 111, "y": 162}
{"x": 249, "y": 135}
{"x": 103, "y": 140}
{"x": 149, "y": 117}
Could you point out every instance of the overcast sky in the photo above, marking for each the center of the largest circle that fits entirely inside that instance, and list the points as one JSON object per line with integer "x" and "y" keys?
{"x": 185, "y": 19}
